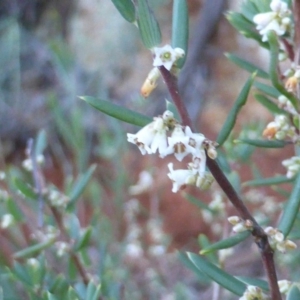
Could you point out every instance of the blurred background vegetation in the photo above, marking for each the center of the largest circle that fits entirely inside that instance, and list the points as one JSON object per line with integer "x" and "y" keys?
{"x": 51, "y": 52}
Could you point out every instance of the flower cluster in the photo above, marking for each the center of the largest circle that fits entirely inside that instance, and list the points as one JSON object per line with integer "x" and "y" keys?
{"x": 293, "y": 166}
{"x": 280, "y": 129}
{"x": 240, "y": 225}
{"x": 285, "y": 104}
{"x": 277, "y": 240}
{"x": 253, "y": 292}
{"x": 182, "y": 141}
{"x": 278, "y": 19}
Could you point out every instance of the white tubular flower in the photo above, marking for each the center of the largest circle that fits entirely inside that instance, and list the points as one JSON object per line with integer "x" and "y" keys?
{"x": 253, "y": 292}
{"x": 277, "y": 240}
{"x": 178, "y": 144}
{"x": 277, "y": 19}
{"x": 284, "y": 286}
{"x": 293, "y": 166}
{"x": 150, "y": 138}
{"x": 166, "y": 56}
{"x": 180, "y": 178}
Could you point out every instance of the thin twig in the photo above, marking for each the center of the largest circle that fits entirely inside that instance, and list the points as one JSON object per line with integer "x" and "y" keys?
{"x": 258, "y": 233}
{"x": 59, "y": 220}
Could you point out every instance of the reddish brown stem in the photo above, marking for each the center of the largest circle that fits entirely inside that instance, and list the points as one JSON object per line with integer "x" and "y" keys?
{"x": 258, "y": 233}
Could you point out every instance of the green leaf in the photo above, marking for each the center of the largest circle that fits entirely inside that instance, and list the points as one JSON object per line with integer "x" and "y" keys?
{"x": 267, "y": 181}
{"x": 247, "y": 65}
{"x": 269, "y": 90}
{"x": 180, "y": 28}
{"x": 148, "y": 25}
{"x": 33, "y": 250}
{"x": 83, "y": 239}
{"x": 254, "y": 281}
{"x": 13, "y": 209}
{"x": 72, "y": 295}
{"x": 81, "y": 184}
{"x": 197, "y": 202}
{"x": 51, "y": 296}
{"x": 274, "y": 52}
{"x": 187, "y": 262}
{"x": 291, "y": 209}
{"x": 226, "y": 243}
{"x": 93, "y": 292}
{"x": 41, "y": 142}
{"x": 20, "y": 272}
{"x": 269, "y": 104}
{"x": 294, "y": 293}
{"x": 239, "y": 22}
{"x": 261, "y": 143}
{"x": 117, "y": 111}
{"x": 204, "y": 242}
{"x": 126, "y": 9}
{"x": 25, "y": 189}
{"x": 218, "y": 275}
{"x": 232, "y": 116}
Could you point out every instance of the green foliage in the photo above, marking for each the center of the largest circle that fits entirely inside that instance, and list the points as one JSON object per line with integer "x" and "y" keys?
{"x": 148, "y": 25}
{"x": 232, "y": 116}
{"x": 180, "y": 28}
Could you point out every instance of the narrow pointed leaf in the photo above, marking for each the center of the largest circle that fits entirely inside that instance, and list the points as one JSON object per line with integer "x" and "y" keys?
{"x": 274, "y": 52}
{"x": 25, "y": 189}
{"x": 117, "y": 111}
{"x": 269, "y": 104}
{"x": 254, "y": 281}
{"x": 81, "y": 184}
{"x": 180, "y": 28}
{"x": 197, "y": 202}
{"x": 90, "y": 291}
{"x": 72, "y": 295}
{"x": 261, "y": 143}
{"x": 226, "y": 243}
{"x": 267, "y": 89}
{"x": 41, "y": 142}
{"x": 33, "y": 250}
{"x": 83, "y": 239}
{"x": 247, "y": 65}
{"x": 187, "y": 262}
{"x": 268, "y": 181}
{"x": 126, "y": 9}
{"x": 294, "y": 293}
{"x": 148, "y": 25}
{"x": 232, "y": 116}
{"x": 51, "y": 296}
{"x": 218, "y": 275}
{"x": 204, "y": 242}
{"x": 291, "y": 209}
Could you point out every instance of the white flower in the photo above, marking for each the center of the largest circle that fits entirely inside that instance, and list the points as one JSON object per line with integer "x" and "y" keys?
{"x": 277, "y": 240}
{"x": 180, "y": 178}
{"x": 284, "y": 286}
{"x": 143, "y": 185}
{"x": 166, "y": 56}
{"x": 293, "y": 166}
{"x": 150, "y": 138}
{"x": 6, "y": 221}
{"x": 178, "y": 144}
{"x": 253, "y": 292}
{"x": 277, "y": 19}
